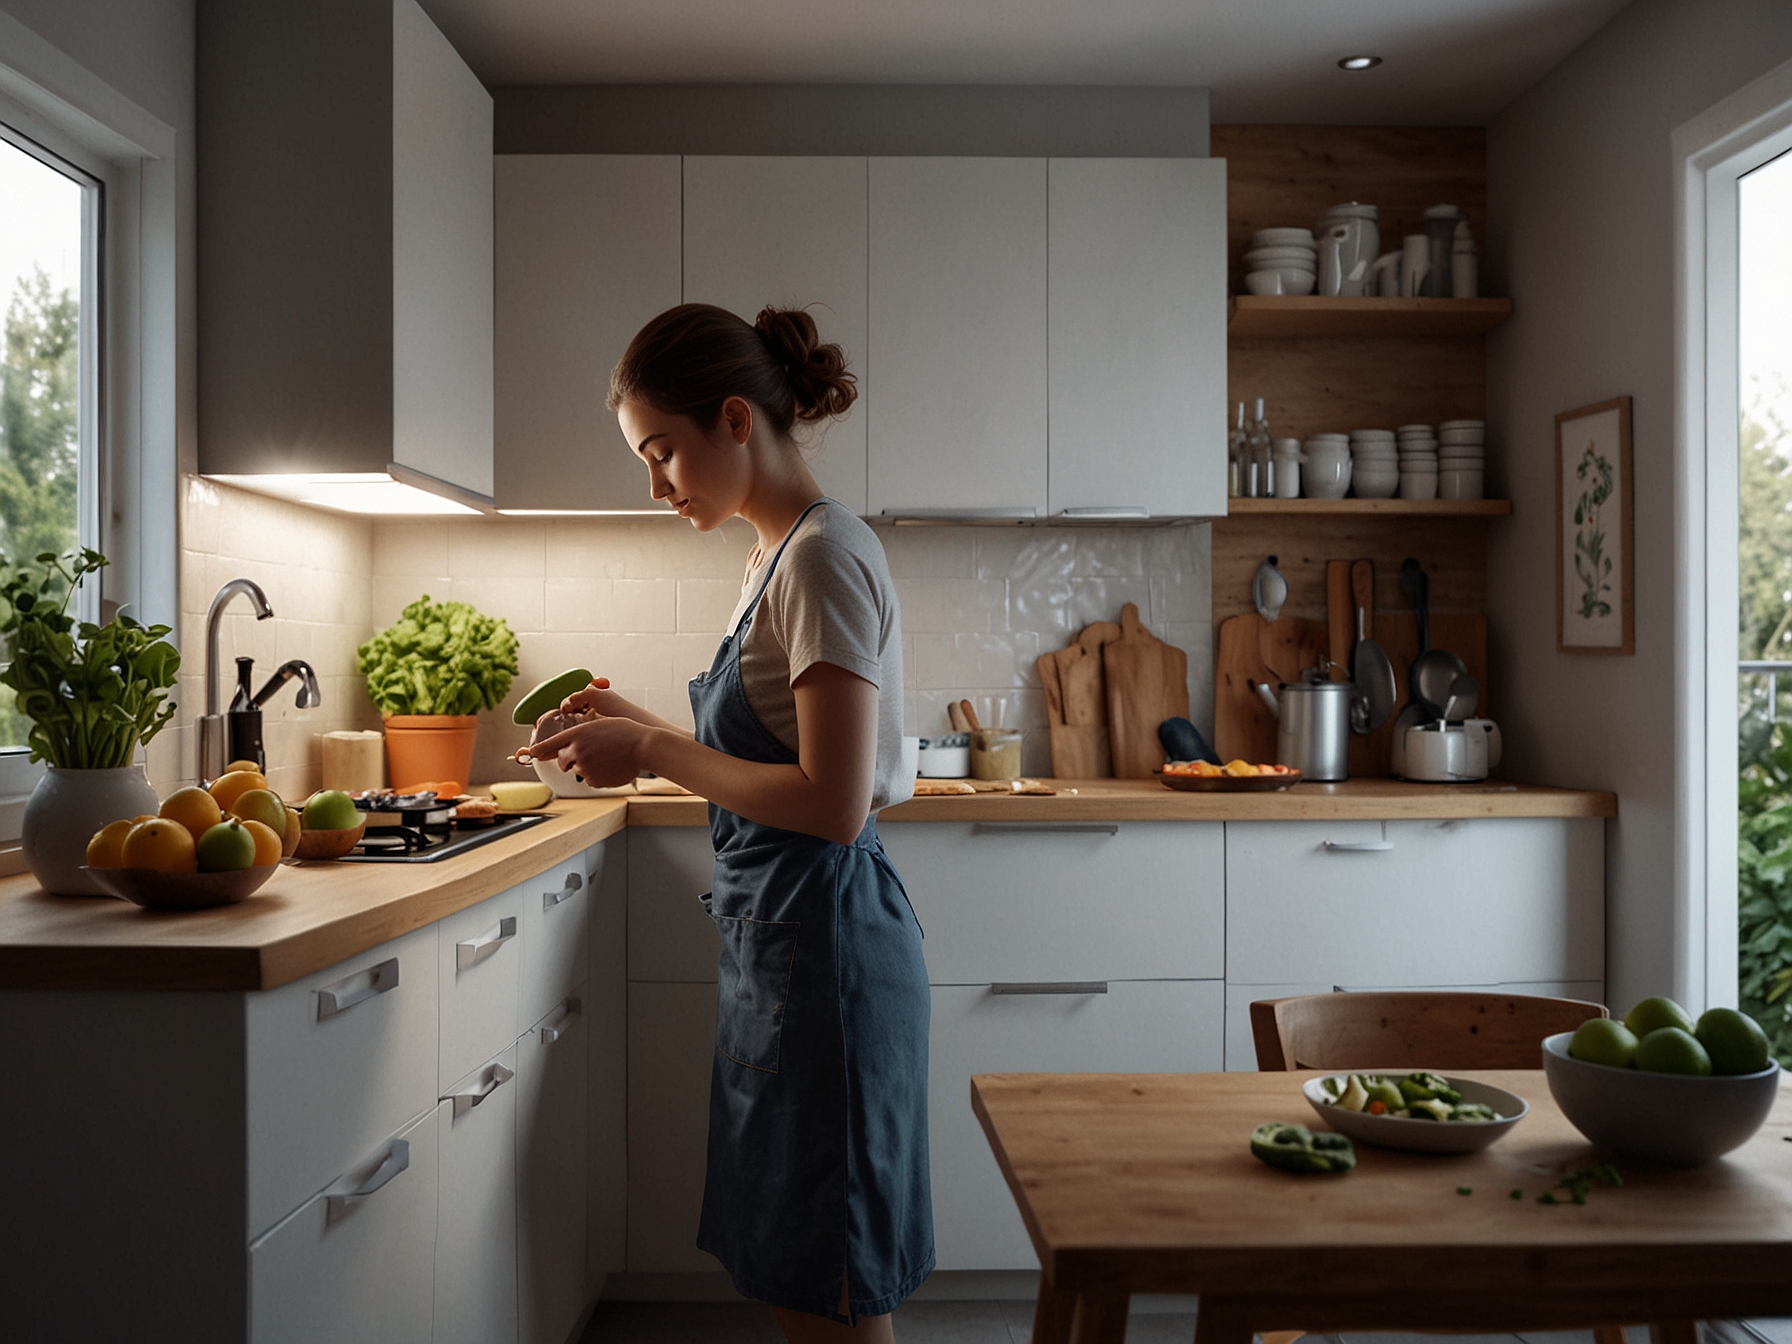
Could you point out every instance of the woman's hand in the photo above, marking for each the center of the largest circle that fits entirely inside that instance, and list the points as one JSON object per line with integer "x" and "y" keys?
{"x": 598, "y": 698}
{"x": 602, "y": 751}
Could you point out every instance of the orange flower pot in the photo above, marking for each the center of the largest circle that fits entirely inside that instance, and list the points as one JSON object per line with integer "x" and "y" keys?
{"x": 426, "y": 748}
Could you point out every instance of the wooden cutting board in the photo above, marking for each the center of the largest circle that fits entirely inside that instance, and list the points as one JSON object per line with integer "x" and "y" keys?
{"x": 1147, "y": 682}
{"x": 1077, "y": 704}
{"x": 1252, "y": 649}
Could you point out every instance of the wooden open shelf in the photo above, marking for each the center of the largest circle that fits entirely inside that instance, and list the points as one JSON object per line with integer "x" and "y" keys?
{"x": 1386, "y": 508}
{"x": 1311, "y": 315}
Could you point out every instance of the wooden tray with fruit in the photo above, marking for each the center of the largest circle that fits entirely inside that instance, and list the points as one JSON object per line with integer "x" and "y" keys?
{"x": 1232, "y": 777}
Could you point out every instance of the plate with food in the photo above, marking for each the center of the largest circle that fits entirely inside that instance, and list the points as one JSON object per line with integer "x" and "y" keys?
{"x": 1418, "y": 1110}
{"x": 1232, "y": 777}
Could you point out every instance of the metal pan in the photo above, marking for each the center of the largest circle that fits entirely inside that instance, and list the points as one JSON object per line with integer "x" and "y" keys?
{"x": 1434, "y": 671}
{"x": 1370, "y": 667}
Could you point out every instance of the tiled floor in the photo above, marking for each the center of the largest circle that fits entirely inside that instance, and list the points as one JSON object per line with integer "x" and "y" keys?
{"x": 1009, "y": 1322}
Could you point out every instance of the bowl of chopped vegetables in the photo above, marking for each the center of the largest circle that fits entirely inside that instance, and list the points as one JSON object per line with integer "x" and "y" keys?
{"x": 1419, "y": 1111}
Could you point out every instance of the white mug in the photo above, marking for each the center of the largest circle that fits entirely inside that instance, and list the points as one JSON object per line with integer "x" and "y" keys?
{"x": 1386, "y": 275}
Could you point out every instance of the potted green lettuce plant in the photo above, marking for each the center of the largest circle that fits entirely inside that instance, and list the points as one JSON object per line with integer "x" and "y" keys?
{"x": 93, "y": 694}
{"x": 429, "y": 674}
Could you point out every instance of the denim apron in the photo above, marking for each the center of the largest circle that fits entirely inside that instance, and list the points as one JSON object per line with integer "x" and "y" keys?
{"x": 817, "y": 1171}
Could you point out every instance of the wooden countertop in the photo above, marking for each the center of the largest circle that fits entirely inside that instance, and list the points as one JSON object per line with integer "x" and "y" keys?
{"x": 313, "y": 915}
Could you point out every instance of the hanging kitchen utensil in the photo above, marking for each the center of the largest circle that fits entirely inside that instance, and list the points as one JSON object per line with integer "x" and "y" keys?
{"x": 1434, "y": 670}
{"x": 1465, "y": 695}
{"x": 1269, "y": 590}
{"x": 1370, "y": 667}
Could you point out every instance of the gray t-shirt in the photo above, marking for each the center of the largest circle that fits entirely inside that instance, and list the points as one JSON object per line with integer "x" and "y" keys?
{"x": 831, "y": 601}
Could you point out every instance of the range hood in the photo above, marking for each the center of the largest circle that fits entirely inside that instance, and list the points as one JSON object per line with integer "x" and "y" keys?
{"x": 345, "y": 257}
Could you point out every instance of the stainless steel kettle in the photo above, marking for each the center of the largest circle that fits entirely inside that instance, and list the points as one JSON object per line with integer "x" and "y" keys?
{"x": 1312, "y": 723}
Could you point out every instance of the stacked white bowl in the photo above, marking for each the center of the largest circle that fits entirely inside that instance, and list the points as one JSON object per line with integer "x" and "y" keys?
{"x": 1325, "y": 470}
{"x": 1374, "y": 466}
{"x": 1418, "y": 461}
{"x": 1461, "y": 458}
{"x": 1281, "y": 261}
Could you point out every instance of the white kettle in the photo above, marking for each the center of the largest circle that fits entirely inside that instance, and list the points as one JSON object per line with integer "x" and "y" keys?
{"x": 1448, "y": 753}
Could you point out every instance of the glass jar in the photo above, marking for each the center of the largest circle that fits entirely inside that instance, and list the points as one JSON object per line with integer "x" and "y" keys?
{"x": 995, "y": 753}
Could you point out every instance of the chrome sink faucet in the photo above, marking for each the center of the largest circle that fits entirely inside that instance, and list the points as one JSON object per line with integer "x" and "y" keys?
{"x": 211, "y": 723}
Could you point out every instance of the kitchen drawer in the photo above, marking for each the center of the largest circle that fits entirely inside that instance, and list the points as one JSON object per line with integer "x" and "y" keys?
{"x": 475, "y": 1288}
{"x": 1136, "y": 1027}
{"x": 1487, "y": 901}
{"x": 1078, "y": 901}
{"x": 479, "y": 957}
{"x": 671, "y": 1043}
{"x": 1241, "y": 1046}
{"x": 360, "y": 1270}
{"x": 671, "y": 937}
{"x": 551, "y": 1094}
{"x": 556, "y": 919}
{"x": 336, "y": 1062}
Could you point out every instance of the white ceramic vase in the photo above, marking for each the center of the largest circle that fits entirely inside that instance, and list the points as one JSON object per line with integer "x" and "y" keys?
{"x": 64, "y": 811}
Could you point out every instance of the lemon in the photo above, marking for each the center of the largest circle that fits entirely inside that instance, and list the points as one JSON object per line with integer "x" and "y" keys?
{"x": 1672, "y": 1050}
{"x": 226, "y": 847}
{"x": 1654, "y": 1013}
{"x": 106, "y": 849}
{"x": 1734, "y": 1041}
{"x": 1604, "y": 1040}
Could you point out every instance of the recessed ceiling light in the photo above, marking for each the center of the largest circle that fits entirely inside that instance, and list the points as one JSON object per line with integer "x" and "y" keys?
{"x": 1359, "y": 62}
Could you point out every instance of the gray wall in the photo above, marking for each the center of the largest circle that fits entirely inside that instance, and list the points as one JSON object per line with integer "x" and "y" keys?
{"x": 1068, "y": 121}
{"x": 1581, "y": 233}
{"x": 144, "y": 49}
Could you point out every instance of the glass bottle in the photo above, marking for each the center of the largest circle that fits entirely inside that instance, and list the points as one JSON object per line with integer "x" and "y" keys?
{"x": 1262, "y": 448}
{"x": 1238, "y": 459}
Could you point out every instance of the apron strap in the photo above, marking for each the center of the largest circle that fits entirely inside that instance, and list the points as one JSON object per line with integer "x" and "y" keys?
{"x": 772, "y": 569}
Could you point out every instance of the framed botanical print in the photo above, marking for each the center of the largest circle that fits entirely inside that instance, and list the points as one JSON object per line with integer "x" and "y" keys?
{"x": 1595, "y": 533}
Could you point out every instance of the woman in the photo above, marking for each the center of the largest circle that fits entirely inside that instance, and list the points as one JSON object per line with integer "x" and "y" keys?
{"x": 816, "y": 1197}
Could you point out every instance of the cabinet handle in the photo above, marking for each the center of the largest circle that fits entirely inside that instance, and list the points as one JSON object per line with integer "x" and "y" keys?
{"x": 397, "y": 1159}
{"x": 476, "y": 950}
{"x": 1045, "y": 828}
{"x": 549, "y": 899}
{"x": 1361, "y": 846}
{"x": 466, "y": 1101}
{"x": 1112, "y": 511}
{"x": 1050, "y": 987}
{"x": 357, "y": 988}
{"x": 1015, "y": 514}
{"x": 558, "y": 1027}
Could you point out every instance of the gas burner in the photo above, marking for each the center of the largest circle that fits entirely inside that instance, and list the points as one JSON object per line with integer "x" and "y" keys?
{"x": 424, "y": 837}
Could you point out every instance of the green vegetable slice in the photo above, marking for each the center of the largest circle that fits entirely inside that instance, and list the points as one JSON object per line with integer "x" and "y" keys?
{"x": 549, "y": 694}
{"x": 1296, "y": 1148}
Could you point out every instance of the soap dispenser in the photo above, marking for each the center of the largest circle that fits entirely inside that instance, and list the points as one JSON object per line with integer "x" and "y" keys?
{"x": 245, "y": 719}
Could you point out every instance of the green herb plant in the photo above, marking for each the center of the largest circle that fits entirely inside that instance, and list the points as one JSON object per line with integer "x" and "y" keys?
{"x": 93, "y": 693}
{"x": 439, "y": 658}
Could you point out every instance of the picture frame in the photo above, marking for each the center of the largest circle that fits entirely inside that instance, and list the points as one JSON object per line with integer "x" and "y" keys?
{"x": 1595, "y": 530}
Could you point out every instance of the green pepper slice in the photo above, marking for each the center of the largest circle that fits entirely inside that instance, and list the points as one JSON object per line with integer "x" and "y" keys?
{"x": 1296, "y": 1148}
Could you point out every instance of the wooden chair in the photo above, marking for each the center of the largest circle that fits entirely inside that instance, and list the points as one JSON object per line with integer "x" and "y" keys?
{"x": 1417, "y": 1029}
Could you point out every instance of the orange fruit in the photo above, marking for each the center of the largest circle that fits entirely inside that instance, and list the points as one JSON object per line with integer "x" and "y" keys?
{"x": 233, "y": 784}
{"x": 263, "y": 805}
{"x": 106, "y": 849}
{"x": 160, "y": 844}
{"x": 193, "y": 808}
{"x": 294, "y": 827}
{"x": 267, "y": 843}
{"x": 241, "y": 765}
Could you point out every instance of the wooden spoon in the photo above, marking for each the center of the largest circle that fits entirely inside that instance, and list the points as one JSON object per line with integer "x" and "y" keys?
{"x": 970, "y": 715}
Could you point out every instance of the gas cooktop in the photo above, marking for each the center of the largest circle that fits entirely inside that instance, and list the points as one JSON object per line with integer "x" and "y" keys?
{"x": 426, "y": 837}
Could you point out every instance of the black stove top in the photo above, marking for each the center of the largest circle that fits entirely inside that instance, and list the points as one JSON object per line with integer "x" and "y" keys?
{"x": 425, "y": 837}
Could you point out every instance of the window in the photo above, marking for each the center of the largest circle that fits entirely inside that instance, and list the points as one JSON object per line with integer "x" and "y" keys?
{"x": 50, "y": 248}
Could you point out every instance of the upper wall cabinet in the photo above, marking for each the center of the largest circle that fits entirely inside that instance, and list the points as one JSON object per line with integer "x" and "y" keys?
{"x": 587, "y": 251}
{"x": 956, "y": 371}
{"x": 789, "y": 232}
{"x": 345, "y": 245}
{"x": 1138, "y": 336}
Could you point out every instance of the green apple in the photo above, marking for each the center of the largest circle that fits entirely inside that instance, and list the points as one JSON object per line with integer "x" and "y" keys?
{"x": 330, "y": 810}
{"x": 1604, "y": 1040}
{"x": 1652, "y": 1014}
{"x": 1734, "y": 1041}
{"x": 1672, "y": 1050}
{"x": 225, "y": 848}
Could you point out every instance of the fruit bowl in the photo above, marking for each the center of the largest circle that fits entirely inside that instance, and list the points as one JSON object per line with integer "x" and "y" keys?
{"x": 180, "y": 891}
{"x": 332, "y": 844}
{"x": 1676, "y": 1119}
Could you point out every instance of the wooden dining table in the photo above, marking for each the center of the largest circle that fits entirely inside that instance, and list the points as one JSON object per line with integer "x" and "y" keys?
{"x": 1145, "y": 1183}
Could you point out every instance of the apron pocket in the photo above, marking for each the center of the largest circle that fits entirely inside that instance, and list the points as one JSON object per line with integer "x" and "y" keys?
{"x": 758, "y": 956}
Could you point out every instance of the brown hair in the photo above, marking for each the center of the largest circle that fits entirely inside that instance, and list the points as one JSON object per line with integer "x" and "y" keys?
{"x": 692, "y": 358}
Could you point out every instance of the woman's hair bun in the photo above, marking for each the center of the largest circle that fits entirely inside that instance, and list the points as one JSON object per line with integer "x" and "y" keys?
{"x": 816, "y": 370}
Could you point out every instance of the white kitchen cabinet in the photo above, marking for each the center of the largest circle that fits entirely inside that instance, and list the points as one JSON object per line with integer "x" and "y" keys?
{"x": 671, "y": 1035}
{"x": 479, "y": 967}
{"x": 1241, "y": 1046}
{"x": 1410, "y": 903}
{"x": 1135, "y": 1026}
{"x": 357, "y": 1261}
{"x": 789, "y": 232}
{"x": 670, "y": 934}
{"x": 956, "y": 398}
{"x": 556, "y": 911}
{"x": 1025, "y": 901}
{"x": 587, "y": 251}
{"x": 476, "y": 1226}
{"x": 551, "y": 1172}
{"x": 606, "y": 1016}
{"x": 1137, "y": 316}
{"x": 335, "y": 1062}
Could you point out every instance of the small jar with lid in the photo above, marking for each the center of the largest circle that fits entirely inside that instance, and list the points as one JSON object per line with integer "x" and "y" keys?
{"x": 995, "y": 753}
